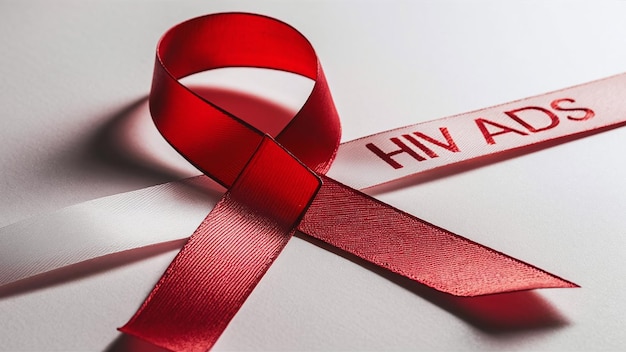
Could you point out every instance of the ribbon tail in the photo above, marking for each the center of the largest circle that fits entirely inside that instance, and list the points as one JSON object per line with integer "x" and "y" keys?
{"x": 390, "y": 238}
{"x": 225, "y": 258}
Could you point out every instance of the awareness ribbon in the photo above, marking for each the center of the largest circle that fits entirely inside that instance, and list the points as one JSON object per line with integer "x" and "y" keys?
{"x": 277, "y": 185}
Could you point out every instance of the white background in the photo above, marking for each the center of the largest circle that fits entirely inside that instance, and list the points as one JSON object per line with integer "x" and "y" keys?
{"x": 73, "y": 71}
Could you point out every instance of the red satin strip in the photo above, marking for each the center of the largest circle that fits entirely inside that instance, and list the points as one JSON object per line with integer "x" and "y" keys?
{"x": 227, "y": 255}
{"x": 400, "y": 242}
{"x": 270, "y": 189}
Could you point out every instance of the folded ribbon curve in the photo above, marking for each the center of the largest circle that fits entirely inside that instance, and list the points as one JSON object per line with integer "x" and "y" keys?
{"x": 276, "y": 186}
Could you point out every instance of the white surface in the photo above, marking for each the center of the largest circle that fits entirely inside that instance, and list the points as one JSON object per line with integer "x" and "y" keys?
{"x": 73, "y": 74}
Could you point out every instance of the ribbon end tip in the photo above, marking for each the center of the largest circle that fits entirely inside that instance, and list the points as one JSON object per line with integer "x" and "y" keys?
{"x": 567, "y": 284}
{"x": 554, "y": 281}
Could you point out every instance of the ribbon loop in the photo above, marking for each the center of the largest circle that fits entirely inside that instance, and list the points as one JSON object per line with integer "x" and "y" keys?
{"x": 218, "y": 143}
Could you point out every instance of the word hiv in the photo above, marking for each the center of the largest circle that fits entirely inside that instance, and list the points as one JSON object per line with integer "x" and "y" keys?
{"x": 522, "y": 122}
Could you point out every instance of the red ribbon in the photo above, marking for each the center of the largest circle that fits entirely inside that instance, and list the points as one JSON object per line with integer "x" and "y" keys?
{"x": 276, "y": 186}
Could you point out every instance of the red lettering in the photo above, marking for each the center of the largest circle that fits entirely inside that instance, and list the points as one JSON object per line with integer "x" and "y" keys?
{"x": 387, "y": 157}
{"x": 418, "y": 144}
{"x": 481, "y": 123}
{"x": 514, "y": 114}
{"x": 450, "y": 145}
{"x": 556, "y": 105}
